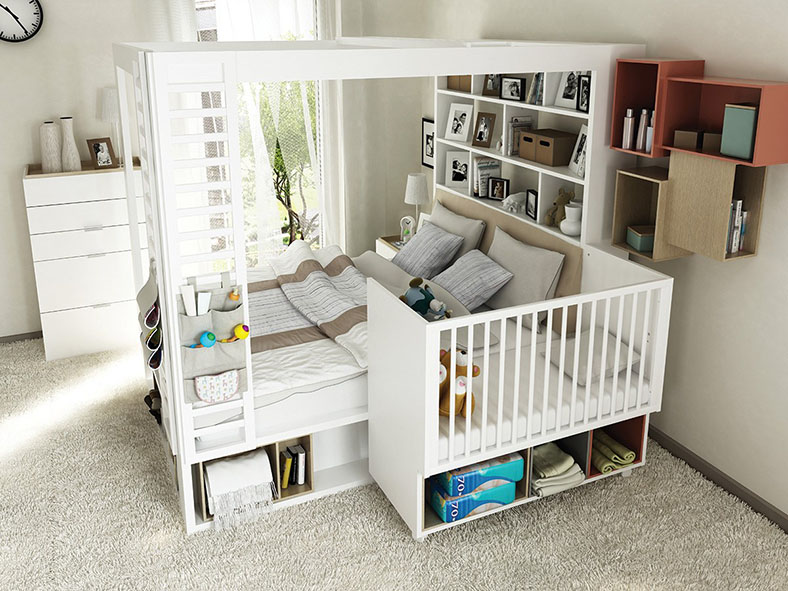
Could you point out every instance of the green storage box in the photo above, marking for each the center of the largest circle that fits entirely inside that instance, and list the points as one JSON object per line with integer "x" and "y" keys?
{"x": 738, "y": 131}
{"x": 641, "y": 238}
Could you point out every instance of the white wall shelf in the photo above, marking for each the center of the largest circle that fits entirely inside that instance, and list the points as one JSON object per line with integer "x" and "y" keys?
{"x": 520, "y": 104}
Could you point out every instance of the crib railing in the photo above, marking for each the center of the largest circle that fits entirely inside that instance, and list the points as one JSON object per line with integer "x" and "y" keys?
{"x": 534, "y": 387}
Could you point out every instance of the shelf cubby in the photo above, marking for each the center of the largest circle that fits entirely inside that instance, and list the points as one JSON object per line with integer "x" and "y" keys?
{"x": 630, "y": 433}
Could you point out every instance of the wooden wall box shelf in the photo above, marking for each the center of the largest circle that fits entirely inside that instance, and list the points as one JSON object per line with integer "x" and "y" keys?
{"x": 641, "y": 199}
{"x": 641, "y": 83}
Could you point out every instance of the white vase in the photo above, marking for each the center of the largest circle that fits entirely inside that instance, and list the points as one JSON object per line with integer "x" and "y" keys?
{"x": 49, "y": 135}
{"x": 70, "y": 154}
{"x": 571, "y": 224}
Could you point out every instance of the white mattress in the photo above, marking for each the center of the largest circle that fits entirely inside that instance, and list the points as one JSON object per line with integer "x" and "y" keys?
{"x": 538, "y": 401}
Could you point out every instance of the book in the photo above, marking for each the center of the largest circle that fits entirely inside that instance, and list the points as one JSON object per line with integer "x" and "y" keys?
{"x": 483, "y": 169}
{"x": 301, "y": 472}
{"x": 744, "y": 216}
{"x": 730, "y": 228}
{"x": 535, "y": 91}
{"x": 285, "y": 463}
{"x": 736, "y": 234}
{"x": 294, "y": 470}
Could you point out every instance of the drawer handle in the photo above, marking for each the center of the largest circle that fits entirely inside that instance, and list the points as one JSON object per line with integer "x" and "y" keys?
{"x": 92, "y": 228}
{"x": 101, "y": 306}
{"x": 96, "y": 255}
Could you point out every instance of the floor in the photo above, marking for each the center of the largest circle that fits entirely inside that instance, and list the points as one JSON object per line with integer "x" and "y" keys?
{"x": 87, "y": 503}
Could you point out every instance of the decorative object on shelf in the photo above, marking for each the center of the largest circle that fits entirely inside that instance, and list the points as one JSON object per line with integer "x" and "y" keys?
{"x": 628, "y": 138}
{"x": 567, "y": 90}
{"x": 420, "y": 299}
{"x": 513, "y": 88}
{"x": 427, "y": 142}
{"x": 492, "y": 85}
{"x": 498, "y": 188}
{"x": 416, "y": 190}
{"x": 640, "y": 141}
{"x": 571, "y": 224}
{"x": 457, "y": 164}
{"x": 641, "y": 238}
{"x": 712, "y": 143}
{"x": 460, "y": 83}
{"x": 20, "y": 20}
{"x": 584, "y": 93}
{"x": 687, "y": 140}
{"x": 407, "y": 226}
{"x": 482, "y": 133}
{"x": 69, "y": 155}
{"x": 556, "y": 214}
{"x": 577, "y": 164}
{"x": 526, "y": 148}
{"x": 650, "y": 134}
{"x": 536, "y": 90}
{"x": 517, "y": 125}
{"x": 109, "y": 113}
{"x": 458, "y": 125}
{"x": 552, "y": 147}
{"x": 101, "y": 153}
{"x": 738, "y": 130}
{"x": 49, "y": 134}
{"x": 483, "y": 169}
{"x": 532, "y": 204}
{"x": 515, "y": 203}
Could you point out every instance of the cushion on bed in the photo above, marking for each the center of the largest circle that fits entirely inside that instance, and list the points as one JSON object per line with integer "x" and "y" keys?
{"x": 596, "y": 364}
{"x": 471, "y": 230}
{"x": 536, "y": 272}
{"x": 429, "y": 251}
{"x": 473, "y": 279}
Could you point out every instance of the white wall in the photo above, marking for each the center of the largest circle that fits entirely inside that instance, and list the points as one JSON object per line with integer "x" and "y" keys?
{"x": 59, "y": 72}
{"x": 726, "y": 390}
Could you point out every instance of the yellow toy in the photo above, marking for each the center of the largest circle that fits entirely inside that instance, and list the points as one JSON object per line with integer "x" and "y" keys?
{"x": 240, "y": 332}
{"x": 462, "y": 385}
{"x": 557, "y": 213}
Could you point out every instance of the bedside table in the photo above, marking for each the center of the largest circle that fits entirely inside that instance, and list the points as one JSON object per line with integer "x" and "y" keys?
{"x": 385, "y": 246}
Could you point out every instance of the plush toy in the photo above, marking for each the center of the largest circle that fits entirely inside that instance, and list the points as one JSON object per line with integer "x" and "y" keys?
{"x": 462, "y": 383}
{"x": 515, "y": 203}
{"x": 422, "y": 300}
{"x": 556, "y": 214}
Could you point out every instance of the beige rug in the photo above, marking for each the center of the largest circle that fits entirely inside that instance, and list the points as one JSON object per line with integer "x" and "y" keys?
{"x": 86, "y": 502}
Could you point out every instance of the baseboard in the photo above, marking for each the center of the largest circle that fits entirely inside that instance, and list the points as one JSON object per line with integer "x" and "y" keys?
{"x": 21, "y": 337}
{"x": 721, "y": 479}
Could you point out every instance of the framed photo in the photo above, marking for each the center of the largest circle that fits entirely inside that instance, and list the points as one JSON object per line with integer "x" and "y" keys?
{"x": 498, "y": 188}
{"x": 577, "y": 164}
{"x": 584, "y": 93}
{"x": 512, "y": 88}
{"x": 457, "y": 165}
{"x": 531, "y": 203}
{"x": 427, "y": 142}
{"x": 101, "y": 153}
{"x": 458, "y": 126}
{"x": 483, "y": 132}
{"x": 567, "y": 90}
{"x": 492, "y": 85}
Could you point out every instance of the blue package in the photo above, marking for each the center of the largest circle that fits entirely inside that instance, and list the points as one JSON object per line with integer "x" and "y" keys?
{"x": 451, "y": 508}
{"x": 469, "y": 479}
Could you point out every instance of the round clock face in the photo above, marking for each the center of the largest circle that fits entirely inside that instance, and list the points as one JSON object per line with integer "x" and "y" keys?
{"x": 20, "y": 19}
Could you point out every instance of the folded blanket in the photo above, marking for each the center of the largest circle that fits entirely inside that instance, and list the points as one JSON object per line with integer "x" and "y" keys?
{"x": 602, "y": 462}
{"x": 570, "y": 482}
{"x": 549, "y": 460}
{"x": 568, "y": 476}
{"x": 240, "y": 489}
{"x": 619, "y": 453}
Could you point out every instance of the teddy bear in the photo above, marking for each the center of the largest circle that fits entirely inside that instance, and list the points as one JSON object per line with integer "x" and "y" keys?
{"x": 515, "y": 203}
{"x": 462, "y": 383}
{"x": 422, "y": 300}
{"x": 556, "y": 214}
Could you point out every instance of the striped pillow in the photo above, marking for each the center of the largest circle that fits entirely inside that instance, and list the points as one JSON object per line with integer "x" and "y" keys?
{"x": 429, "y": 252}
{"x": 473, "y": 279}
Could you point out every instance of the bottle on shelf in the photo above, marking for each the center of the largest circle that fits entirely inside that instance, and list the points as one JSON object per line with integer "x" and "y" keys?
{"x": 650, "y": 134}
{"x": 629, "y": 130}
{"x": 640, "y": 142}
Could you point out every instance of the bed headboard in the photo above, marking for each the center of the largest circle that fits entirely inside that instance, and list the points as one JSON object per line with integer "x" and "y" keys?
{"x": 571, "y": 274}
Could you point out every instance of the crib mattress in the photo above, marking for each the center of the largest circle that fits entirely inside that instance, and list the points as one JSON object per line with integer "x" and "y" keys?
{"x": 608, "y": 398}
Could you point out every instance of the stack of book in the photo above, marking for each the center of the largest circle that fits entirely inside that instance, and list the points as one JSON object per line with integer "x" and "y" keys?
{"x": 516, "y": 126}
{"x": 737, "y": 228}
{"x": 483, "y": 169}
{"x": 536, "y": 91}
{"x": 292, "y": 463}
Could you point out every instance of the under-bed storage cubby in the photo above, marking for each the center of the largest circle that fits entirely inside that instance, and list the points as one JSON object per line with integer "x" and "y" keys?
{"x": 630, "y": 433}
{"x": 293, "y": 489}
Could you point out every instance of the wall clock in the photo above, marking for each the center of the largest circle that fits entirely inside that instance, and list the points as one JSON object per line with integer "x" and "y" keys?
{"x": 20, "y": 19}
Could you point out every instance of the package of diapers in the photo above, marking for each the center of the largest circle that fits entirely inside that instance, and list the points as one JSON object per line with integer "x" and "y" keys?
{"x": 451, "y": 508}
{"x": 469, "y": 479}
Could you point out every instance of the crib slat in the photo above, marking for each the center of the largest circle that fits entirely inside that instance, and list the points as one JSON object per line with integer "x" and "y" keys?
{"x": 619, "y": 326}
{"x": 575, "y": 365}
{"x": 559, "y": 412}
{"x": 452, "y": 389}
{"x": 546, "y": 393}
{"x": 632, "y": 321}
{"x": 531, "y": 378}
{"x": 590, "y": 361}
{"x": 517, "y": 356}
{"x": 469, "y": 392}
{"x": 643, "y": 345}
{"x": 486, "y": 387}
{"x": 603, "y": 366}
{"x": 501, "y": 380}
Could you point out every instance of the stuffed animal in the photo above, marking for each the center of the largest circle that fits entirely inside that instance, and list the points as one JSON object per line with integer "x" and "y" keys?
{"x": 556, "y": 214}
{"x": 515, "y": 203}
{"x": 422, "y": 300}
{"x": 462, "y": 383}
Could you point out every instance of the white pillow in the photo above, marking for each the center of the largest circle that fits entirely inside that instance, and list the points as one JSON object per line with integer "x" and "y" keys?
{"x": 471, "y": 230}
{"x": 429, "y": 252}
{"x": 596, "y": 363}
{"x": 473, "y": 279}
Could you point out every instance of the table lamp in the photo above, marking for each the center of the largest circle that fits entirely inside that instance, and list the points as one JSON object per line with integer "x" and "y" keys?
{"x": 109, "y": 112}
{"x": 416, "y": 191}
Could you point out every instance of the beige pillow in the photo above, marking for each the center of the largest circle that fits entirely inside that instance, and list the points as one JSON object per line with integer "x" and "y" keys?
{"x": 536, "y": 272}
{"x": 471, "y": 230}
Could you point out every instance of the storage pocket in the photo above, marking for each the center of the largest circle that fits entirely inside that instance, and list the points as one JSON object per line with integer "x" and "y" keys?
{"x": 209, "y": 361}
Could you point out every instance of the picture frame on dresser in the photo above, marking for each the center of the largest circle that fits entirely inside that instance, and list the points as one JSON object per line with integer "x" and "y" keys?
{"x": 101, "y": 153}
{"x": 457, "y": 170}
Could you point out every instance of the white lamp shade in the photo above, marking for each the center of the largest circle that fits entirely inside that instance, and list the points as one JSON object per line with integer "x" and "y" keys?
{"x": 416, "y": 189}
{"x": 108, "y": 109}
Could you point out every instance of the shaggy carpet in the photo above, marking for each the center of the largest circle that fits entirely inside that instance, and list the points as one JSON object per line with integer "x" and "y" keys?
{"x": 87, "y": 502}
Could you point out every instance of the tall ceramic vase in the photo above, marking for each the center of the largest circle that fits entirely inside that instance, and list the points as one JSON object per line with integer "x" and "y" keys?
{"x": 71, "y": 161}
{"x": 49, "y": 134}
{"x": 571, "y": 224}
